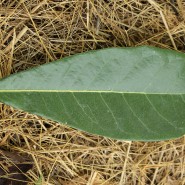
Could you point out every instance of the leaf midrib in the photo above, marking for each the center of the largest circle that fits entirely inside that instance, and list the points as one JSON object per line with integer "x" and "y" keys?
{"x": 89, "y": 91}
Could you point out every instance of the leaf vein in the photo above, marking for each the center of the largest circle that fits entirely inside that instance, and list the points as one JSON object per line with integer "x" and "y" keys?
{"x": 134, "y": 113}
{"x": 158, "y": 111}
{"x": 112, "y": 113}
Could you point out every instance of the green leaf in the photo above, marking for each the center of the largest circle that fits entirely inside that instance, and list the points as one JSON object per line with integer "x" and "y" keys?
{"x": 123, "y": 93}
{"x": 39, "y": 181}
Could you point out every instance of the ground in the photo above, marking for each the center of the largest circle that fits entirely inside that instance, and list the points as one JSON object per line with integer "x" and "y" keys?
{"x": 34, "y": 32}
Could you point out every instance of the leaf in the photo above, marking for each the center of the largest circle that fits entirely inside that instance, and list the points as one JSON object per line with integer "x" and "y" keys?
{"x": 39, "y": 181}
{"x": 122, "y": 93}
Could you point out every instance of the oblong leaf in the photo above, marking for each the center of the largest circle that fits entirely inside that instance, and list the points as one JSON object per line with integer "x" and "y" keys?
{"x": 123, "y": 93}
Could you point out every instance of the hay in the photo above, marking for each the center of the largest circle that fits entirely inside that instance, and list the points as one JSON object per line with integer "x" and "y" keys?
{"x": 35, "y": 32}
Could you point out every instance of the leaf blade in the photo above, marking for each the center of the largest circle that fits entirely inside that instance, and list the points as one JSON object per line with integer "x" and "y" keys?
{"x": 93, "y": 99}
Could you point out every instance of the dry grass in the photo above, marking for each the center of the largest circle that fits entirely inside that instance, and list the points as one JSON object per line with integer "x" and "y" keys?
{"x": 34, "y": 32}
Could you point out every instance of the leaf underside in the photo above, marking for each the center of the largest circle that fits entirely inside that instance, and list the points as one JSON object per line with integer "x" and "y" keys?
{"x": 122, "y": 93}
